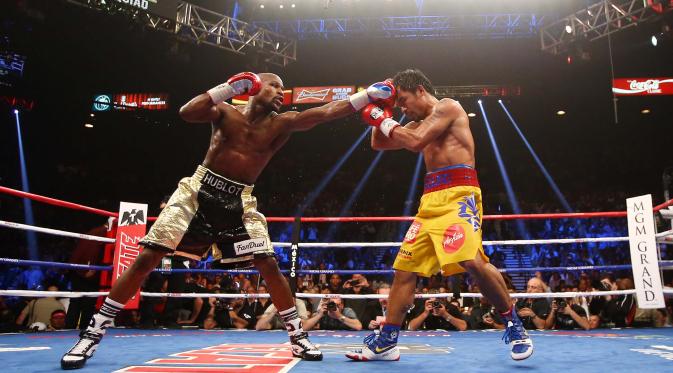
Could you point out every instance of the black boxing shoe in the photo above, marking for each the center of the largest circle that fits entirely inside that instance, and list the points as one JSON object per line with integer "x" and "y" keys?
{"x": 303, "y": 348}
{"x": 77, "y": 356}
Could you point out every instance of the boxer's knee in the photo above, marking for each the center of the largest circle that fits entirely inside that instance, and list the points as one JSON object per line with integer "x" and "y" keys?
{"x": 476, "y": 265}
{"x": 404, "y": 277}
{"x": 147, "y": 261}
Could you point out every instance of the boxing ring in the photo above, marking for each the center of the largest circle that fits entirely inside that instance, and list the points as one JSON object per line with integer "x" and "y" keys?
{"x": 195, "y": 350}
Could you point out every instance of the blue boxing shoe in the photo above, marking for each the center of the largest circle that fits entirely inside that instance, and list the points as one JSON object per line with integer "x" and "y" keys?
{"x": 378, "y": 346}
{"x": 515, "y": 333}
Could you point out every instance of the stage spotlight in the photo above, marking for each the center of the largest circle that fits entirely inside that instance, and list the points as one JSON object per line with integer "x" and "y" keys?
{"x": 560, "y": 112}
{"x": 539, "y": 163}
{"x": 654, "y": 40}
{"x": 569, "y": 29}
{"x": 261, "y": 6}
{"x": 645, "y": 111}
{"x": 471, "y": 115}
{"x": 293, "y": 5}
{"x": 281, "y": 6}
{"x": 16, "y": 111}
{"x": 88, "y": 125}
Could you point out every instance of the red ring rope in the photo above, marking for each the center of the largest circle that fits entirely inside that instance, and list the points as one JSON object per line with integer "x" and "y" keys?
{"x": 572, "y": 215}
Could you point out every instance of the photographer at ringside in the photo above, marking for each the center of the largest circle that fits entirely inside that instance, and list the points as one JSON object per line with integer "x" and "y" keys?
{"x": 566, "y": 315}
{"x": 359, "y": 285}
{"x": 483, "y": 315}
{"x": 224, "y": 314}
{"x": 438, "y": 314}
{"x": 332, "y": 315}
{"x": 533, "y": 311}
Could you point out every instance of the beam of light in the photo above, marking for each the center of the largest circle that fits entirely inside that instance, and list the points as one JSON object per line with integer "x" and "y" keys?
{"x": 315, "y": 193}
{"x": 409, "y": 201}
{"x": 503, "y": 172}
{"x": 236, "y": 11}
{"x": 346, "y": 208}
{"x": 546, "y": 174}
{"x": 31, "y": 238}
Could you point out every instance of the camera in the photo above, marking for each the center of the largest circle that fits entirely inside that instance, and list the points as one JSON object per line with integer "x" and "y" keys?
{"x": 561, "y": 303}
{"x": 490, "y": 314}
{"x": 436, "y": 304}
{"x": 355, "y": 282}
{"x": 331, "y": 306}
{"x": 222, "y": 304}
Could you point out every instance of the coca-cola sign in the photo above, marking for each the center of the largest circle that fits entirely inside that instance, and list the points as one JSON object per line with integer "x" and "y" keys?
{"x": 642, "y": 86}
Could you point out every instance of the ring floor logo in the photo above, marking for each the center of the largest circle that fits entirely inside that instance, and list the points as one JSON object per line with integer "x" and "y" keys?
{"x": 664, "y": 352}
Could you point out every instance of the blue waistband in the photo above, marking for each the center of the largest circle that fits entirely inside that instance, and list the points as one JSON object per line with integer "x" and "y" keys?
{"x": 460, "y": 165}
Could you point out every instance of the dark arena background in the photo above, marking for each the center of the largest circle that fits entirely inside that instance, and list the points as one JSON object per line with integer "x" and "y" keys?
{"x": 570, "y": 103}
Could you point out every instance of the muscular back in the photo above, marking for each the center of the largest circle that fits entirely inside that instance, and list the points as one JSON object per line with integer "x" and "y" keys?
{"x": 240, "y": 149}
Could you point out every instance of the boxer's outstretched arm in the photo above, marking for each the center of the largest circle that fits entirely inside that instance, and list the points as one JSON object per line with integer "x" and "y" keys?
{"x": 443, "y": 115}
{"x": 200, "y": 109}
{"x": 307, "y": 119}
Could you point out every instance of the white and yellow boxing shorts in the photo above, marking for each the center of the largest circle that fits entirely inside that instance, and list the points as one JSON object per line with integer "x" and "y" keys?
{"x": 447, "y": 228}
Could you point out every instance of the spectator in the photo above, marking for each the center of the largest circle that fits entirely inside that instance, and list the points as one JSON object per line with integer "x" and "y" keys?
{"x": 254, "y": 308}
{"x": 567, "y": 315}
{"x": 332, "y": 315}
{"x": 620, "y": 310}
{"x": 358, "y": 285}
{"x": 223, "y": 314}
{"x": 200, "y": 307}
{"x": 484, "y": 316}
{"x": 533, "y": 311}
{"x": 39, "y": 310}
{"x": 554, "y": 281}
{"x": 335, "y": 284}
{"x": 57, "y": 320}
{"x": 7, "y": 318}
{"x": 374, "y": 314}
{"x": 595, "y": 321}
{"x": 438, "y": 314}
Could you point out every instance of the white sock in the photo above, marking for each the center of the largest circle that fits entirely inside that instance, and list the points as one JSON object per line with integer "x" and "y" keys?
{"x": 292, "y": 321}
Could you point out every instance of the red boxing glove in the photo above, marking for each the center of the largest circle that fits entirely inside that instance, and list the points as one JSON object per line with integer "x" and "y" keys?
{"x": 381, "y": 118}
{"x": 238, "y": 84}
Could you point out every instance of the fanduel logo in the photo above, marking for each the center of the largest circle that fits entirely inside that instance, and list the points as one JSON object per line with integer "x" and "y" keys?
{"x": 250, "y": 246}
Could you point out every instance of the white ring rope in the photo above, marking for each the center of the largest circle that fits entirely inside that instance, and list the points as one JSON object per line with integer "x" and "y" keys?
{"x": 68, "y": 294}
{"x": 663, "y": 237}
{"x": 55, "y": 232}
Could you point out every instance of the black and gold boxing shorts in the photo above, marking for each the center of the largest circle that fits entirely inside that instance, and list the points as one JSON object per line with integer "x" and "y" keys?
{"x": 209, "y": 211}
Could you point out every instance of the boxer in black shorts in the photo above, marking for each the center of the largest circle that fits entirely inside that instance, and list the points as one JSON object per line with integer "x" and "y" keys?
{"x": 209, "y": 211}
{"x": 215, "y": 207}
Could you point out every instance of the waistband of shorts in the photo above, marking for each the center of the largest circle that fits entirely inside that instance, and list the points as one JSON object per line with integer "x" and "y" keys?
{"x": 449, "y": 177}
{"x": 219, "y": 182}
